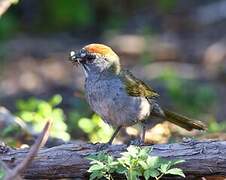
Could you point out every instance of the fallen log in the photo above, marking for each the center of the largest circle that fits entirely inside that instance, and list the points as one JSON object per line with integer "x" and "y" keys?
{"x": 202, "y": 158}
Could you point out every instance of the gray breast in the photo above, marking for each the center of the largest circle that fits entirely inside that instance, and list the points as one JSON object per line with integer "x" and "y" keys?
{"x": 108, "y": 98}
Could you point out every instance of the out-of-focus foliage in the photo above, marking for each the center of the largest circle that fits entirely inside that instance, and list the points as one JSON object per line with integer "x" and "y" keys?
{"x": 194, "y": 99}
{"x": 72, "y": 121}
{"x": 97, "y": 130}
{"x": 214, "y": 126}
{"x": 166, "y": 6}
{"x": 79, "y": 109}
{"x": 1, "y": 173}
{"x": 14, "y": 1}
{"x": 61, "y": 14}
{"x": 134, "y": 163}
{"x": 10, "y": 133}
{"x": 8, "y": 26}
{"x": 57, "y": 15}
{"x": 36, "y": 112}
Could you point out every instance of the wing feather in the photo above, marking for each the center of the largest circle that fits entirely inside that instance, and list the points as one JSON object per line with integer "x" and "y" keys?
{"x": 136, "y": 87}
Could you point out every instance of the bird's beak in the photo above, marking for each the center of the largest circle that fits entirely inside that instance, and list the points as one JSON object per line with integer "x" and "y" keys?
{"x": 76, "y": 57}
{"x": 72, "y": 56}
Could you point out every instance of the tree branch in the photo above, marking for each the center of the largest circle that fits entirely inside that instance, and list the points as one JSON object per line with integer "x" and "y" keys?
{"x": 202, "y": 158}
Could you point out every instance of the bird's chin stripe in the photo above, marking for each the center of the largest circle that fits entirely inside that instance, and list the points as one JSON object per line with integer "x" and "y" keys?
{"x": 86, "y": 69}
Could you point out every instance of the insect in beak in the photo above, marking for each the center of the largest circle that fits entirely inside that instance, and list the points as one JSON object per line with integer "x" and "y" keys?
{"x": 75, "y": 58}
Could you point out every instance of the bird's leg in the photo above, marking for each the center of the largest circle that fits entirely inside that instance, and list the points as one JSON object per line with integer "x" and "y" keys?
{"x": 114, "y": 135}
{"x": 143, "y": 133}
{"x": 105, "y": 145}
{"x": 140, "y": 141}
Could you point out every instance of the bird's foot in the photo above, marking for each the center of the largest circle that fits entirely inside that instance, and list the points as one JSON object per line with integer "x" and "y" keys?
{"x": 103, "y": 146}
{"x": 136, "y": 142}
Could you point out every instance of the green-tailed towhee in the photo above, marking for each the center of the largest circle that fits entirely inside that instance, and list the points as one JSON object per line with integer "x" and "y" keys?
{"x": 117, "y": 96}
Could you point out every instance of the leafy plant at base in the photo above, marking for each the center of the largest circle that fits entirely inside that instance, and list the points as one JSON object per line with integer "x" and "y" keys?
{"x": 103, "y": 165}
{"x": 134, "y": 163}
{"x": 36, "y": 111}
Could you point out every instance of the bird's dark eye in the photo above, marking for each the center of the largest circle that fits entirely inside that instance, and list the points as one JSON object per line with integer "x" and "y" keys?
{"x": 83, "y": 53}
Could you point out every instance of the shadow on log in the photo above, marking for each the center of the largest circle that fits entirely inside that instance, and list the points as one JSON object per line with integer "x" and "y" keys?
{"x": 202, "y": 158}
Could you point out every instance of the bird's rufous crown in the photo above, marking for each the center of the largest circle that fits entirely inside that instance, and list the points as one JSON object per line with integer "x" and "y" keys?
{"x": 100, "y": 49}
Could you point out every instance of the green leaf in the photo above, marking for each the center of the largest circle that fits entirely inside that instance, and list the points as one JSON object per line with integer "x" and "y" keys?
{"x": 121, "y": 169}
{"x": 176, "y": 171}
{"x": 177, "y": 162}
{"x": 143, "y": 164}
{"x": 27, "y": 116}
{"x": 114, "y": 163}
{"x": 95, "y": 167}
{"x": 151, "y": 173}
{"x": 101, "y": 157}
{"x": 86, "y": 125}
{"x": 110, "y": 159}
{"x": 55, "y": 100}
{"x": 153, "y": 162}
{"x": 125, "y": 160}
{"x": 133, "y": 150}
{"x": 97, "y": 162}
{"x": 164, "y": 168}
{"x": 96, "y": 175}
{"x": 144, "y": 153}
{"x": 133, "y": 174}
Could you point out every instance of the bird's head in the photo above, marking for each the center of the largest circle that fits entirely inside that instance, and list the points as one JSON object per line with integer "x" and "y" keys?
{"x": 96, "y": 58}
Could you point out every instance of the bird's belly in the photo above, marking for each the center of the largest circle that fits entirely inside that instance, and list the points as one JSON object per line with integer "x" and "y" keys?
{"x": 110, "y": 100}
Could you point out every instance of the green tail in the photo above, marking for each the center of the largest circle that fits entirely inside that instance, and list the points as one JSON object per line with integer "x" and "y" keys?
{"x": 184, "y": 122}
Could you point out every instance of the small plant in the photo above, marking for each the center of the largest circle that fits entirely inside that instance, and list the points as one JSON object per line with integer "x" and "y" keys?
{"x": 97, "y": 130}
{"x": 134, "y": 163}
{"x": 102, "y": 165}
{"x": 36, "y": 111}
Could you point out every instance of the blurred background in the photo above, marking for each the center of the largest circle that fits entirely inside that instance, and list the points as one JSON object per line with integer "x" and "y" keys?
{"x": 176, "y": 46}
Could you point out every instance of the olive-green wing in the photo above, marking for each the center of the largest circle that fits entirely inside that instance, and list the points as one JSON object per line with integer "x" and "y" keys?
{"x": 136, "y": 87}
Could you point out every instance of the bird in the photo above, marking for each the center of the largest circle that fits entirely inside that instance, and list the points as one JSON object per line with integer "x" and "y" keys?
{"x": 120, "y": 98}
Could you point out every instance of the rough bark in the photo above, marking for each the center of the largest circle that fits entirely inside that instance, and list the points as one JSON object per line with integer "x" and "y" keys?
{"x": 202, "y": 158}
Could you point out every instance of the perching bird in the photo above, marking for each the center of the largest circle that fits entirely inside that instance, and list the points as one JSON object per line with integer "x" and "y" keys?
{"x": 117, "y": 96}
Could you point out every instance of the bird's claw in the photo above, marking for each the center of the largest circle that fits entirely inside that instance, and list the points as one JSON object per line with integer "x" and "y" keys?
{"x": 103, "y": 146}
{"x": 136, "y": 142}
